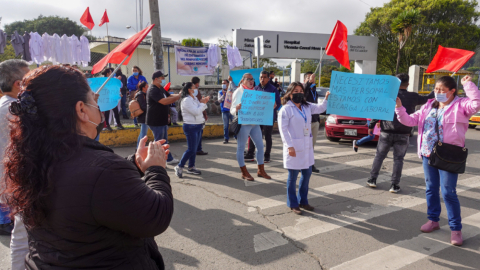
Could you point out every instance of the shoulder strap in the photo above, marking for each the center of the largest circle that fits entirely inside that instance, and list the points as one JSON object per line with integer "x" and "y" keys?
{"x": 436, "y": 124}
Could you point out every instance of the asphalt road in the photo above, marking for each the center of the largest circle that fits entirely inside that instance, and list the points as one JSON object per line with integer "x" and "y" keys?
{"x": 223, "y": 222}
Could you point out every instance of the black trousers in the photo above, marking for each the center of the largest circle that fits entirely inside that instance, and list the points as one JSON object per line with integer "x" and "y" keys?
{"x": 267, "y": 134}
{"x": 115, "y": 114}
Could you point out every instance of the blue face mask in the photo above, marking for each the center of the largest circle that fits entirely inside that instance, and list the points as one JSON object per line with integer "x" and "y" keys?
{"x": 135, "y": 73}
{"x": 441, "y": 97}
{"x": 224, "y": 86}
{"x": 195, "y": 92}
{"x": 164, "y": 82}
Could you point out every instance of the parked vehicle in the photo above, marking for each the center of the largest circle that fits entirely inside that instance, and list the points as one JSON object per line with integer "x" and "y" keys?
{"x": 474, "y": 120}
{"x": 344, "y": 127}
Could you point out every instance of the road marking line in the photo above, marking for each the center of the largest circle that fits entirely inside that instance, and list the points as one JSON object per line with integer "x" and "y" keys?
{"x": 279, "y": 200}
{"x": 307, "y": 227}
{"x": 406, "y": 252}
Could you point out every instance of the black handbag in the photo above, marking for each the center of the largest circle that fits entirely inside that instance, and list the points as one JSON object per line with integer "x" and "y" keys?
{"x": 235, "y": 126}
{"x": 448, "y": 157}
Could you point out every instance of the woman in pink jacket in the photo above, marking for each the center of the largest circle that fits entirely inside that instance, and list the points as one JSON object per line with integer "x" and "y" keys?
{"x": 452, "y": 114}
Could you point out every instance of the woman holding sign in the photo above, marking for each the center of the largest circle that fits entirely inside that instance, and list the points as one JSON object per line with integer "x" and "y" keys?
{"x": 442, "y": 124}
{"x": 294, "y": 122}
{"x": 254, "y": 131}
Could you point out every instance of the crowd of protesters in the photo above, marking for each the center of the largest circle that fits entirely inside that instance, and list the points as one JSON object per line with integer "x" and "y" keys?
{"x": 61, "y": 200}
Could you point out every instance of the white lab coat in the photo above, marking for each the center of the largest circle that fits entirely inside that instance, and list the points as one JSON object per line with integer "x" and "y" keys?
{"x": 291, "y": 125}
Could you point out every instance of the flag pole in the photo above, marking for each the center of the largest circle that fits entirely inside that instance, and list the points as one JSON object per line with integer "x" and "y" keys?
{"x": 111, "y": 75}
{"x": 319, "y": 67}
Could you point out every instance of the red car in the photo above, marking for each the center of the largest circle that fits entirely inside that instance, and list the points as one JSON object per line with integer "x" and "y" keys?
{"x": 344, "y": 127}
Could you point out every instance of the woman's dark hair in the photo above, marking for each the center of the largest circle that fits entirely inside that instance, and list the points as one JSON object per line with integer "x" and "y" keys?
{"x": 119, "y": 72}
{"x": 139, "y": 70}
{"x": 448, "y": 82}
{"x": 141, "y": 85}
{"x": 43, "y": 132}
{"x": 290, "y": 89}
{"x": 186, "y": 86}
{"x": 106, "y": 71}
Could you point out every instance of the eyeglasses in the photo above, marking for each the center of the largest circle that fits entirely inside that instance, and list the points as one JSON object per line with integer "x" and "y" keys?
{"x": 250, "y": 79}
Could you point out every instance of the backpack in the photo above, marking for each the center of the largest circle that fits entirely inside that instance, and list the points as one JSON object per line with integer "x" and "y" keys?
{"x": 134, "y": 108}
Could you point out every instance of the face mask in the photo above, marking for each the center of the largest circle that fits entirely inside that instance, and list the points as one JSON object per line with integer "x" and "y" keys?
{"x": 441, "y": 97}
{"x": 224, "y": 86}
{"x": 195, "y": 92}
{"x": 164, "y": 82}
{"x": 297, "y": 97}
{"x": 135, "y": 73}
{"x": 102, "y": 119}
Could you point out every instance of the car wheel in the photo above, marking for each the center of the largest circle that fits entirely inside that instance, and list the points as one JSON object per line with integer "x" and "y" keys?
{"x": 332, "y": 139}
{"x": 471, "y": 126}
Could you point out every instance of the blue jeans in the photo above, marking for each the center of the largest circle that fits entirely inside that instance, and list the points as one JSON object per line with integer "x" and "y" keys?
{"x": 159, "y": 133}
{"x": 293, "y": 200}
{"x": 135, "y": 121}
{"x": 227, "y": 117}
{"x": 365, "y": 139}
{"x": 256, "y": 135}
{"x": 4, "y": 212}
{"x": 123, "y": 102}
{"x": 193, "y": 134}
{"x": 143, "y": 132}
{"x": 199, "y": 147}
{"x": 97, "y": 138}
{"x": 447, "y": 181}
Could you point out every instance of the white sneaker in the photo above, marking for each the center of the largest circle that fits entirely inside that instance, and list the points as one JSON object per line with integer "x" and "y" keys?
{"x": 173, "y": 161}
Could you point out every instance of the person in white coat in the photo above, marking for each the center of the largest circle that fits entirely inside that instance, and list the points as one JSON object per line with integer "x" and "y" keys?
{"x": 294, "y": 123}
{"x": 192, "y": 112}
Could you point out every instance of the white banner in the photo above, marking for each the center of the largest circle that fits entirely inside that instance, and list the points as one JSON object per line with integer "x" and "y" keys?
{"x": 192, "y": 61}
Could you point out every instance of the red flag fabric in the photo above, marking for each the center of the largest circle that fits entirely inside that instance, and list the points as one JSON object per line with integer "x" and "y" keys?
{"x": 87, "y": 20}
{"x": 123, "y": 50}
{"x": 337, "y": 45}
{"x": 104, "y": 18}
{"x": 449, "y": 59}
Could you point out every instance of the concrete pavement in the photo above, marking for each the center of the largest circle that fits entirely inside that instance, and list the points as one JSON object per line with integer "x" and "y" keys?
{"x": 223, "y": 222}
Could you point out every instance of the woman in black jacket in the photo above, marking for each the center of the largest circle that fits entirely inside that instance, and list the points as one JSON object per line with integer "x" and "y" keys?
{"x": 83, "y": 206}
{"x": 141, "y": 98}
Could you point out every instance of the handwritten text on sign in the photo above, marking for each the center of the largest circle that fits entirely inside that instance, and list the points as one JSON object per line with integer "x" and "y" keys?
{"x": 360, "y": 95}
{"x": 257, "y": 108}
{"x": 110, "y": 94}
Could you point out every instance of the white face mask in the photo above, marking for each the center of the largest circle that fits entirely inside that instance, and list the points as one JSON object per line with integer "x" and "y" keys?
{"x": 441, "y": 97}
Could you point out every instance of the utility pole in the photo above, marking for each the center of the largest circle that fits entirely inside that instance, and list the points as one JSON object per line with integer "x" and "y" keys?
{"x": 157, "y": 47}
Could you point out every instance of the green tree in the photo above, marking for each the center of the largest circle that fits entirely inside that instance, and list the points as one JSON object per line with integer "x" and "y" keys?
{"x": 450, "y": 23}
{"x": 192, "y": 42}
{"x": 50, "y": 25}
{"x": 9, "y": 53}
{"x": 309, "y": 66}
{"x": 402, "y": 26}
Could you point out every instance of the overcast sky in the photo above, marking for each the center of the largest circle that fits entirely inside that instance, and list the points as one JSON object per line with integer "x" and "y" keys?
{"x": 204, "y": 19}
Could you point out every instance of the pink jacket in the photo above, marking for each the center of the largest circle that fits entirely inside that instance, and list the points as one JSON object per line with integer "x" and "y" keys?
{"x": 455, "y": 118}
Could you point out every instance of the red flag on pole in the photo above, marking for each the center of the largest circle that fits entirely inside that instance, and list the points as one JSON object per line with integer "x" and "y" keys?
{"x": 121, "y": 52}
{"x": 104, "y": 19}
{"x": 87, "y": 20}
{"x": 337, "y": 45}
{"x": 449, "y": 59}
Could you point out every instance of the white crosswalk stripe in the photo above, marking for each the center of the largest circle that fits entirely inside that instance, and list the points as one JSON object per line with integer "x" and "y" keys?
{"x": 406, "y": 252}
{"x": 329, "y": 190}
{"x": 307, "y": 227}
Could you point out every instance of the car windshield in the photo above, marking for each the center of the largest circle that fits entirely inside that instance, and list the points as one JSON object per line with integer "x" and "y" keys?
{"x": 322, "y": 91}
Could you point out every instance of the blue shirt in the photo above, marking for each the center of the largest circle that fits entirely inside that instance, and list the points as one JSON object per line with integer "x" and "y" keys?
{"x": 132, "y": 82}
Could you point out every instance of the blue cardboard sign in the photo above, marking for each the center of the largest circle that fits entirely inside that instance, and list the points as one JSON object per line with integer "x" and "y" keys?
{"x": 257, "y": 108}
{"x": 238, "y": 74}
{"x": 110, "y": 94}
{"x": 361, "y": 95}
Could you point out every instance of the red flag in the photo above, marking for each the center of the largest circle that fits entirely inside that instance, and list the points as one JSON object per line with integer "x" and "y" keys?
{"x": 449, "y": 59}
{"x": 104, "y": 19}
{"x": 337, "y": 45}
{"x": 123, "y": 50}
{"x": 87, "y": 20}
